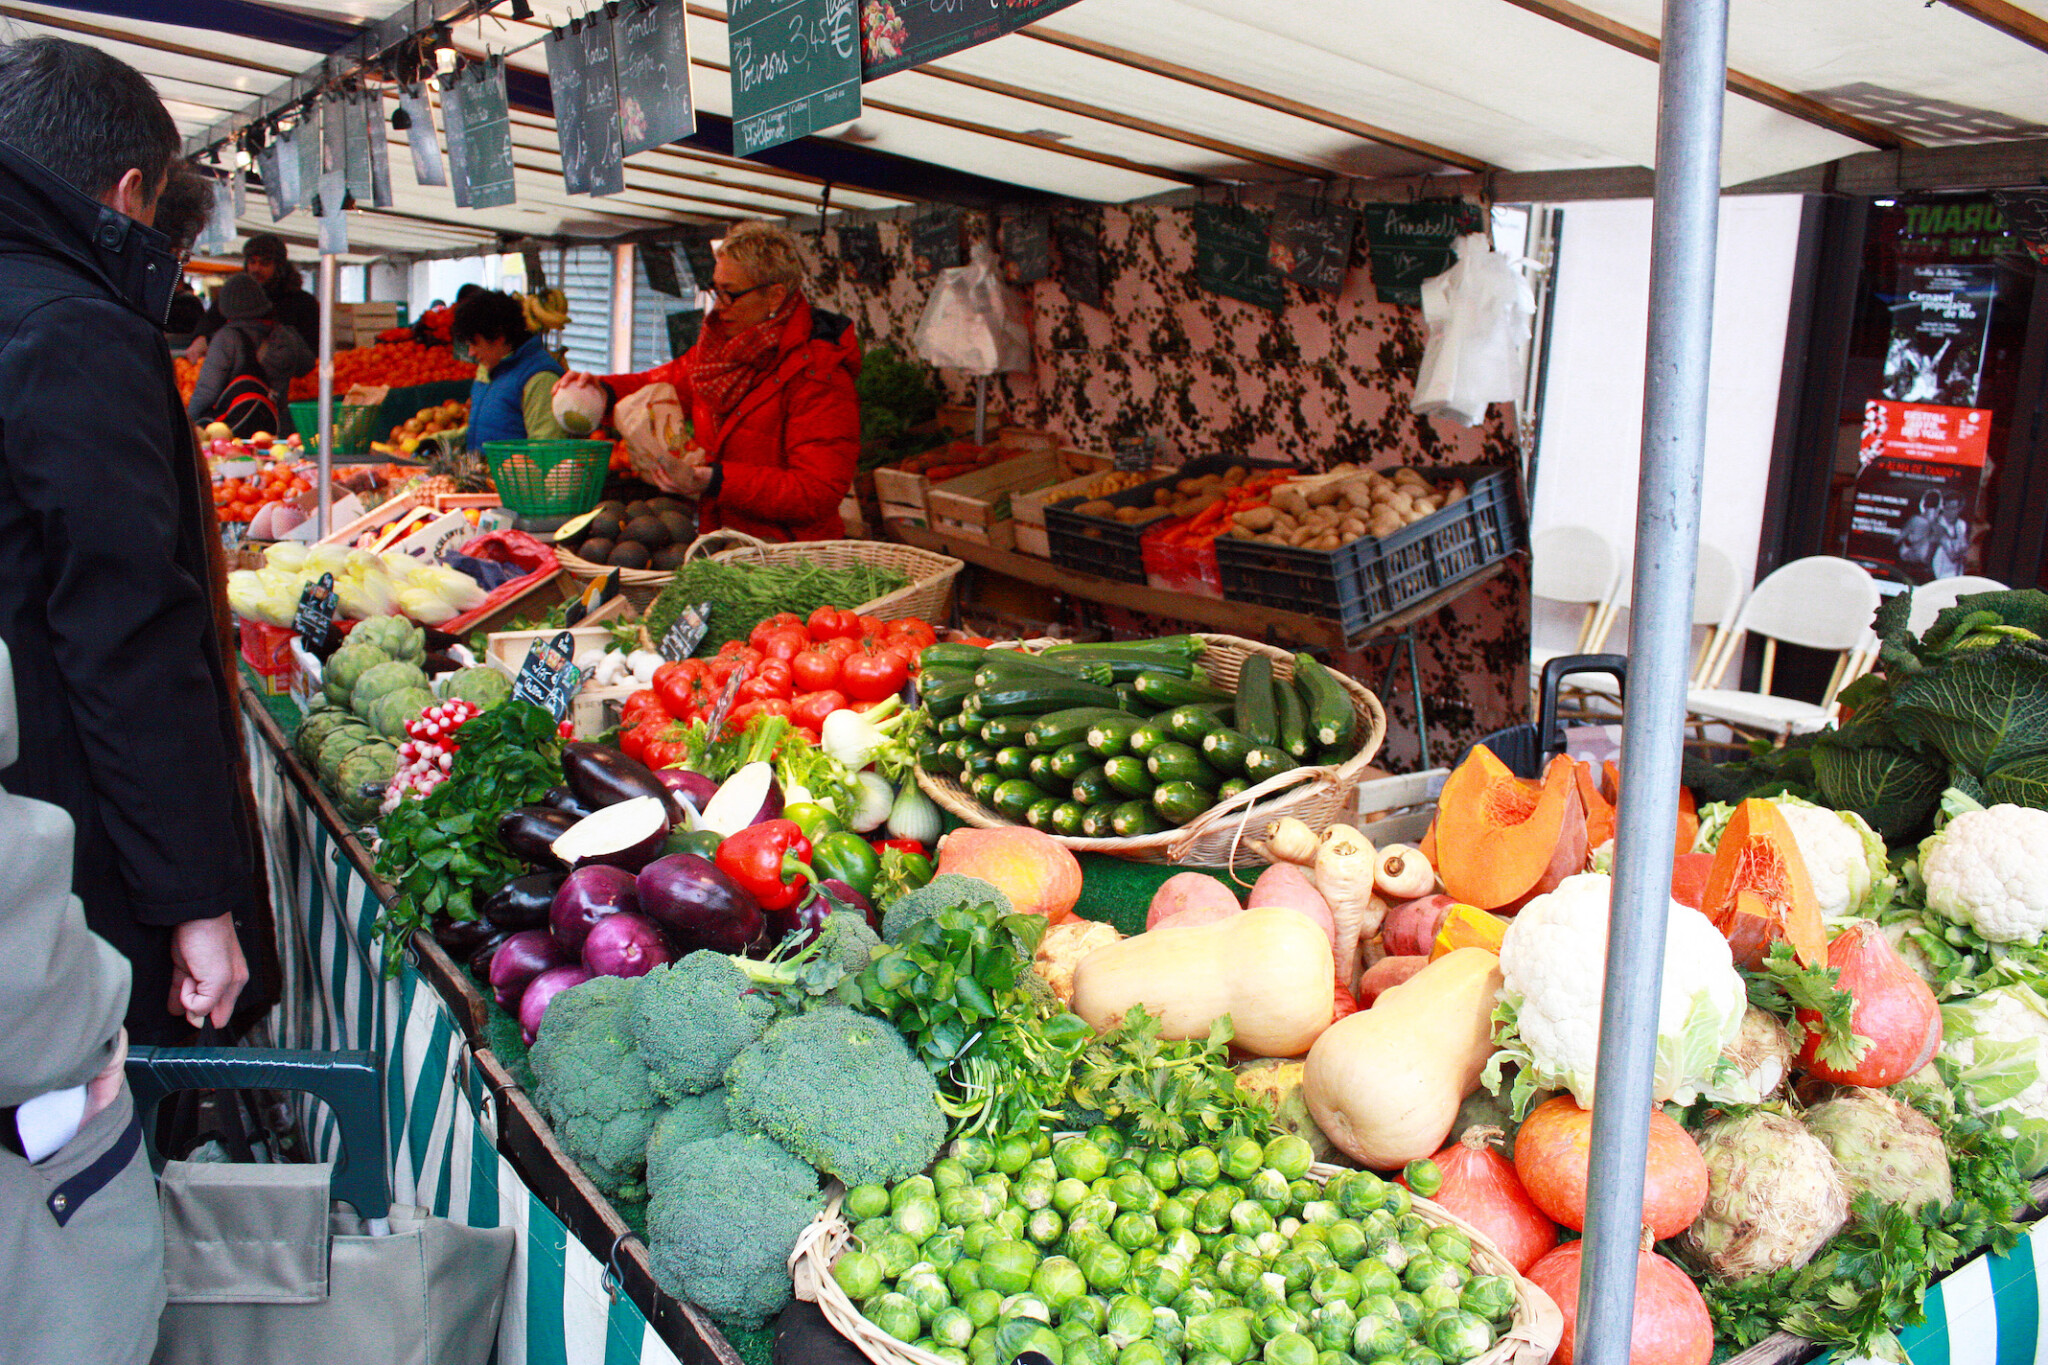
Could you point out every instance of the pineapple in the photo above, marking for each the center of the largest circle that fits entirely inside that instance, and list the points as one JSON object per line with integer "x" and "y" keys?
{"x": 452, "y": 469}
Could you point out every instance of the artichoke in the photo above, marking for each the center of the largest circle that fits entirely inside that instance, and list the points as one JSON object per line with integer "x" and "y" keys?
{"x": 1888, "y": 1148}
{"x": 396, "y": 636}
{"x": 363, "y": 776}
{"x": 392, "y": 712}
{"x": 345, "y": 666}
{"x": 482, "y": 687}
{"x": 1774, "y": 1197}
{"x": 381, "y": 681}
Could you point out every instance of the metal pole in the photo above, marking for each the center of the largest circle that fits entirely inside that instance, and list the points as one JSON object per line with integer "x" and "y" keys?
{"x": 326, "y": 424}
{"x": 1688, "y": 189}
{"x": 623, "y": 256}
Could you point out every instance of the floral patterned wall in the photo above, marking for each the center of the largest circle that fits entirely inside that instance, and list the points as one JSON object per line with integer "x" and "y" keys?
{"x": 1326, "y": 380}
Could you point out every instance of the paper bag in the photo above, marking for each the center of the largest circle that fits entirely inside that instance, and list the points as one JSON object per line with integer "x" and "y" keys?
{"x": 651, "y": 427}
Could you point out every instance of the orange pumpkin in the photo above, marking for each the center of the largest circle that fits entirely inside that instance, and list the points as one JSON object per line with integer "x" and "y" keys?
{"x": 1758, "y": 891}
{"x": 1035, "y": 871}
{"x": 1553, "y": 1152}
{"x": 1599, "y": 808}
{"x": 1502, "y": 840}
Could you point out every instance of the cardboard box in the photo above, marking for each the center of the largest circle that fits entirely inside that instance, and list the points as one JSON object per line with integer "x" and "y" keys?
{"x": 903, "y": 495}
{"x": 1084, "y": 461}
{"x": 977, "y": 506}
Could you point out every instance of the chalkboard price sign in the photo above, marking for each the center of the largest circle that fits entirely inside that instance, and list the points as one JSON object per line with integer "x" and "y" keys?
{"x": 697, "y": 255}
{"x": 271, "y": 161}
{"x": 1027, "y": 248}
{"x": 683, "y": 328}
{"x": 2026, "y": 216}
{"x": 314, "y": 620}
{"x": 1231, "y": 256}
{"x": 659, "y": 260}
{"x": 1414, "y": 242}
{"x": 586, "y": 100}
{"x": 380, "y": 152}
{"x": 899, "y": 34}
{"x": 355, "y": 145}
{"x": 1080, "y": 259}
{"x": 487, "y": 135}
{"x": 686, "y": 634}
{"x": 1135, "y": 453}
{"x": 935, "y": 243}
{"x": 795, "y": 69}
{"x": 549, "y": 677}
{"x": 651, "y": 53}
{"x": 458, "y": 141}
{"x": 420, "y": 140}
{"x": 860, "y": 251}
{"x": 1311, "y": 241}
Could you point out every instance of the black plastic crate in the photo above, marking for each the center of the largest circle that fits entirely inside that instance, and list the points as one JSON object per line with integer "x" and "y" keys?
{"x": 1369, "y": 579}
{"x": 1112, "y": 549}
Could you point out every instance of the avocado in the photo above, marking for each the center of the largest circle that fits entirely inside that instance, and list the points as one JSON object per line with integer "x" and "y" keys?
{"x": 612, "y": 506}
{"x": 648, "y": 531}
{"x": 665, "y": 504}
{"x": 595, "y": 550}
{"x": 669, "y": 557}
{"x": 628, "y": 554}
{"x": 604, "y": 526}
{"x": 678, "y": 525}
{"x": 636, "y": 510}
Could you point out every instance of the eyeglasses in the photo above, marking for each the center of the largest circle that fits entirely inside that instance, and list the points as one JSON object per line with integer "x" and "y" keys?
{"x": 731, "y": 296}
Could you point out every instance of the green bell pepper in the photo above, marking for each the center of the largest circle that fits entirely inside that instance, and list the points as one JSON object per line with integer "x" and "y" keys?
{"x": 813, "y": 819}
{"x": 847, "y": 857}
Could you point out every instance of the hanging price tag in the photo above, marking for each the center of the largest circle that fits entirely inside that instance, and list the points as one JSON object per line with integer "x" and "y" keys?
{"x": 1134, "y": 453}
{"x": 686, "y": 634}
{"x": 549, "y": 677}
{"x": 715, "y": 725}
{"x": 314, "y": 620}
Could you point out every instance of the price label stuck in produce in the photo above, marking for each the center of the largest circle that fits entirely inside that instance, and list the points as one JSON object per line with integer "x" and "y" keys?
{"x": 549, "y": 677}
{"x": 682, "y": 638}
{"x": 314, "y": 620}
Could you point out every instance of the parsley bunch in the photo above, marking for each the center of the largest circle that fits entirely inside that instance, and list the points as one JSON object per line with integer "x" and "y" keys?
{"x": 1170, "y": 1095}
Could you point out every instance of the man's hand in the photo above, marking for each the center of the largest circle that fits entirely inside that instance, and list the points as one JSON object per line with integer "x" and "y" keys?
{"x": 102, "y": 1089}
{"x": 207, "y": 970}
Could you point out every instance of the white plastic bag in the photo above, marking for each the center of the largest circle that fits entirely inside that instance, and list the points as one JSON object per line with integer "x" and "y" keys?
{"x": 974, "y": 321}
{"x": 1478, "y": 316}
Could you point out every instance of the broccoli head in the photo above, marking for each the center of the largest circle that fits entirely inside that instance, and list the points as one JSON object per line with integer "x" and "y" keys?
{"x": 720, "y": 1234}
{"x": 592, "y": 1085}
{"x": 842, "y": 1091}
{"x": 946, "y": 889}
{"x": 691, "y": 1120}
{"x": 692, "y": 1017}
{"x": 846, "y": 939}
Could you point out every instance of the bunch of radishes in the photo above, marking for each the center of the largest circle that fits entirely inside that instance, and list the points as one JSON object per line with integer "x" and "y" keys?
{"x": 425, "y": 758}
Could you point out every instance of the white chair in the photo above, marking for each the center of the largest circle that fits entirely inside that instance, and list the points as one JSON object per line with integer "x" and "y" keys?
{"x": 1932, "y": 599}
{"x": 1820, "y": 602}
{"x": 1577, "y": 566}
{"x": 1716, "y": 598}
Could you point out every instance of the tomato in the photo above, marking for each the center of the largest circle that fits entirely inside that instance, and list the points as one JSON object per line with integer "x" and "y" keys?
{"x": 781, "y": 620}
{"x": 910, "y": 628}
{"x": 785, "y": 642}
{"x": 665, "y": 753}
{"x": 811, "y": 708}
{"x": 872, "y": 627}
{"x": 633, "y": 739}
{"x": 873, "y": 674}
{"x": 681, "y": 689}
{"x": 641, "y": 707}
{"x": 739, "y": 649}
{"x": 828, "y": 623}
{"x": 814, "y": 669}
{"x": 839, "y": 646}
{"x": 723, "y": 669}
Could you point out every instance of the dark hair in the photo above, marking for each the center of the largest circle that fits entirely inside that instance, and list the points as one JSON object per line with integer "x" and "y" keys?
{"x": 268, "y": 246}
{"x": 492, "y": 315}
{"x": 84, "y": 116}
{"x": 466, "y": 290}
{"x": 184, "y": 207}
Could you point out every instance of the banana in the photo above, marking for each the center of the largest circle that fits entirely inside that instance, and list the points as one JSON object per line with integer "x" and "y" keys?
{"x": 546, "y": 311}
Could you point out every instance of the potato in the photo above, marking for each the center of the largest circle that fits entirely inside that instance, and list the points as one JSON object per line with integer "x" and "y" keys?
{"x": 1163, "y": 497}
{"x": 1101, "y": 507}
{"x": 1188, "y": 486}
{"x": 1255, "y": 519}
{"x": 1289, "y": 500}
{"x": 1384, "y": 524}
{"x": 1326, "y": 541}
{"x": 1128, "y": 515}
{"x": 1324, "y": 495}
{"x": 1235, "y": 475}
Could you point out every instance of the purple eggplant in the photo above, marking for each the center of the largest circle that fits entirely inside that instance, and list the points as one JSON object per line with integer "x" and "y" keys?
{"x": 461, "y": 937}
{"x": 628, "y": 835}
{"x": 603, "y": 776}
{"x": 698, "y": 905}
{"x": 589, "y": 894}
{"x": 795, "y": 927}
{"x": 626, "y": 944}
{"x": 523, "y": 902}
{"x": 481, "y": 956}
{"x": 562, "y": 799}
{"x": 520, "y": 959}
{"x": 694, "y": 788}
{"x": 530, "y": 832}
{"x": 542, "y": 990}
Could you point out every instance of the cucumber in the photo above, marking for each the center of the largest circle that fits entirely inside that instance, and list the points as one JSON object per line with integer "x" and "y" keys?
{"x": 1186, "y": 648}
{"x": 951, "y": 728}
{"x": 1189, "y": 723}
{"x": 1257, "y": 715}
{"x": 1230, "y": 787}
{"x": 1332, "y": 722}
{"x": 1013, "y": 761}
{"x": 1097, "y": 822}
{"x": 1135, "y": 819}
{"x": 1180, "y": 802}
{"x": 1265, "y": 761}
{"x": 1000, "y": 732}
{"x": 1013, "y": 796}
{"x": 1111, "y": 735}
{"x": 1177, "y": 762}
{"x": 1225, "y": 749}
{"x": 945, "y": 696}
{"x": 1039, "y": 770}
{"x": 1034, "y": 697}
{"x": 1292, "y": 713}
{"x": 977, "y": 762}
{"x": 1092, "y": 788}
{"x": 1058, "y": 729}
{"x": 1165, "y": 691}
{"x": 1126, "y": 773}
{"x": 1066, "y": 819}
{"x": 1039, "y": 815}
{"x": 1071, "y": 761}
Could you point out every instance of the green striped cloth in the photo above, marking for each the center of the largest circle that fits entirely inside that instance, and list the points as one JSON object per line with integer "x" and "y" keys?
{"x": 437, "y": 1117}
{"x": 1988, "y": 1311}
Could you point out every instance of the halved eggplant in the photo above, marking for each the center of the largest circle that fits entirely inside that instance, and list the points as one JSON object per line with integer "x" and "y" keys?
{"x": 562, "y": 799}
{"x": 628, "y": 835}
{"x": 530, "y": 832}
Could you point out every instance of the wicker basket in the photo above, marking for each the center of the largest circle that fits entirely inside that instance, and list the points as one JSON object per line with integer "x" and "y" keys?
{"x": 640, "y": 586}
{"x": 1531, "y": 1339}
{"x": 1317, "y": 796}
{"x": 929, "y": 595}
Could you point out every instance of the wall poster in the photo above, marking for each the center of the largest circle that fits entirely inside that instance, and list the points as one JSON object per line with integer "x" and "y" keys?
{"x": 1916, "y": 513}
{"x": 1940, "y": 314}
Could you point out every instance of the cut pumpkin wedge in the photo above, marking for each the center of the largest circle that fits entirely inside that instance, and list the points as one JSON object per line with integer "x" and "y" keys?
{"x": 1758, "y": 891}
{"x": 1501, "y": 839}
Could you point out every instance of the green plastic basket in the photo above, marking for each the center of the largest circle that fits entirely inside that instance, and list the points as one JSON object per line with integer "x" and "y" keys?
{"x": 548, "y": 478}
{"x": 355, "y": 426}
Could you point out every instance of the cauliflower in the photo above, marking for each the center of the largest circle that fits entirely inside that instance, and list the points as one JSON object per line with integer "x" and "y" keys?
{"x": 1844, "y": 856}
{"x": 1552, "y": 965}
{"x": 1988, "y": 871}
{"x": 1998, "y": 1042}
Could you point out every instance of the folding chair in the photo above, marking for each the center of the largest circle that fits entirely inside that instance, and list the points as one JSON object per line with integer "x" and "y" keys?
{"x": 1820, "y": 602}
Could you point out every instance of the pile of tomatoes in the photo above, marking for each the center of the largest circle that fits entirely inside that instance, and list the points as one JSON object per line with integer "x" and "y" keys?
{"x": 240, "y": 499}
{"x": 394, "y": 364}
{"x": 804, "y": 669}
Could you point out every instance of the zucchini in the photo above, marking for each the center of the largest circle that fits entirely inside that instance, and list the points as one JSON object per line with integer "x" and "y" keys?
{"x": 984, "y": 787}
{"x": 1025, "y": 667}
{"x": 1135, "y": 819}
{"x": 945, "y": 696}
{"x": 1039, "y": 770}
{"x": 1332, "y": 722}
{"x": 1184, "y": 647}
{"x": 1265, "y": 761}
{"x": 1014, "y": 796}
{"x": 1013, "y": 760}
{"x": 1039, "y": 814}
{"x": 1058, "y": 729}
{"x": 1092, "y": 788}
{"x": 947, "y": 655}
{"x": 1071, "y": 761}
{"x": 1112, "y": 734}
{"x": 1177, "y": 762}
{"x": 1097, "y": 822}
{"x": 1066, "y": 819}
{"x": 1165, "y": 691}
{"x": 1127, "y": 699}
{"x": 1179, "y": 802}
{"x": 1189, "y": 723}
{"x": 1126, "y": 773}
{"x": 1292, "y": 713}
{"x": 1257, "y": 715}
{"x": 1122, "y": 663}
{"x": 943, "y": 759}
{"x": 1230, "y": 787}
{"x": 1225, "y": 749}
{"x": 977, "y": 762}
{"x": 1034, "y": 697}
{"x": 1147, "y": 737}
{"x": 1000, "y": 732}
{"x": 951, "y": 728}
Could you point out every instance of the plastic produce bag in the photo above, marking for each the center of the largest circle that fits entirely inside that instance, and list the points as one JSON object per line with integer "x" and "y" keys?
{"x": 974, "y": 321}
{"x": 651, "y": 427}
{"x": 1478, "y": 316}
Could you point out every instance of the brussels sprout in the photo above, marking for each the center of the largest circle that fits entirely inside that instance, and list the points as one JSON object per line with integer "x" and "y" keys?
{"x": 1300, "y": 1192}
{"x": 895, "y": 1314}
{"x": 1378, "y": 1335}
{"x": 1161, "y": 1282}
{"x": 1250, "y": 1217}
{"x": 1242, "y": 1157}
{"x": 916, "y": 1187}
{"x": 863, "y": 1202}
{"x": 1097, "y": 1211}
{"x": 918, "y": 1218}
{"x": 1281, "y": 1322}
{"x": 981, "y": 1306}
{"x": 1428, "y": 1269}
{"x": 1450, "y": 1244}
{"x": 1010, "y": 1222}
{"x": 1289, "y": 1348}
{"x": 1107, "y": 1266}
{"x": 858, "y": 1273}
{"x": 977, "y": 1154}
{"x": 1015, "y": 1336}
{"x": 1089, "y": 1350}
{"x": 961, "y": 1206}
{"x": 1077, "y": 1158}
{"x": 995, "y": 1187}
{"x": 1182, "y": 1245}
{"x": 1013, "y": 1154}
{"x": 1058, "y": 1280}
{"x": 1269, "y": 1244}
{"x": 1108, "y": 1139}
{"x": 1044, "y": 1227}
{"x": 952, "y": 1327}
{"x": 1398, "y": 1201}
{"x": 1168, "y": 1329}
{"x": 1346, "y": 1241}
{"x": 1294, "y": 1269}
{"x": 1269, "y": 1188}
{"x": 1212, "y": 1213}
{"x": 950, "y": 1173}
{"x": 927, "y": 1291}
{"x": 1332, "y": 1324}
{"x": 1419, "y": 1354}
{"x": 1008, "y": 1265}
{"x": 1319, "y": 1213}
{"x": 1490, "y": 1296}
{"x": 1409, "y": 1306}
{"x": 1270, "y": 1291}
{"x": 1033, "y": 1191}
{"x": 1026, "y": 1306}
{"x": 1196, "y": 1300}
{"x": 975, "y": 1238}
{"x": 1439, "y": 1298}
{"x": 1071, "y": 1332}
{"x": 942, "y": 1248}
{"x": 963, "y": 1279}
{"x": 1423, "y": 1176}
{"x": 1134, "y": 1230}
{"x": 1361, "y": 1193}
{"x": 1375, "y": 1277}
{"x": 1088, "y": 1309}
{"x": 1227, "y": 1332}
{"x": 896, "y": 1252}
{"x": 1142, "y": 1353}
{"x": 1199, "y": 1167}
{"x": 1332, "y": 1285}
{"x": 1176, "y": 1212}
{"x": 1133, "y": 1193}
{"x": 1067, "y": 1194}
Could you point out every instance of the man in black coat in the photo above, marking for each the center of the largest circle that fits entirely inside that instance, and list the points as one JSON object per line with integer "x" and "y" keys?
{"x": 264, "y": 257}
{"x": 127, "y": 710}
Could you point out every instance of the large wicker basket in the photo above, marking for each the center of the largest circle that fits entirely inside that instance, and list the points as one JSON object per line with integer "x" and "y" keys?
{"x": 928, "y": 596}
{"x": 1317, "y": 796}
{"x": 1531, "y": 1338}
{"x": 640, "y": 586}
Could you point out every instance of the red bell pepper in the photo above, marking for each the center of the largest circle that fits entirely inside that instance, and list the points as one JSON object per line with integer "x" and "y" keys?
{"x": 769, "y": 861}
{"x": 900, "y": 845}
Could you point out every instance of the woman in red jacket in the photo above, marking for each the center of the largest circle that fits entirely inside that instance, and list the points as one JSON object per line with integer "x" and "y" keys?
{"x": 768, "y": 389}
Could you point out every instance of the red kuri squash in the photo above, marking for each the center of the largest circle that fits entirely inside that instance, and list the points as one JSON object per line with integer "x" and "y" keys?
{"x": 1672, "y": 1326}
{"x": 1553, "y": 1150}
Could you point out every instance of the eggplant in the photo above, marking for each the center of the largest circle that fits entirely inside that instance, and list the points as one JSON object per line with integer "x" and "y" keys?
{"x": 698, "y": 905}
{"x": 694, "y": 788}
{"x": 533, "y": 1003}
{"x": 629, "y": 834}
{"x": 562, "y": 799}
{"x": 530, "y": 832}
{"x": 480, "y": 961}
{"x": 520, "y": 959}
{"x": 523, "y": 902}
{"x": 589, "y": 894}
{"x": 850, "y": 899}
{"x": 603, "y": 776}
{"x": 795, "y": 927}
{"x": 461, "y": 937}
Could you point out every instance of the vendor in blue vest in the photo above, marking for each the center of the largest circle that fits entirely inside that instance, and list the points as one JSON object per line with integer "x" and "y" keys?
{"x": 513, "y": 397}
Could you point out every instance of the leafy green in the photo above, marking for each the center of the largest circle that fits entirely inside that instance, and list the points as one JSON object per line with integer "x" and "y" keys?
{"x": 896, "y": 394}
{"x": 1767, "y": 770}
{"x": 1980, "y": 707}
{"x": 2022, "y": 782}
{"x": 1865, "y": 766}
{"x": 1170, "y": 1095}
{"x": 1785, "y": 986}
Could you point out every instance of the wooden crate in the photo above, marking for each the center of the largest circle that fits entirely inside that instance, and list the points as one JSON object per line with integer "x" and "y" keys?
{"x": 1074, "y": 461}
{"x": 977, "y": 506}
{"x": 903, "y": 495}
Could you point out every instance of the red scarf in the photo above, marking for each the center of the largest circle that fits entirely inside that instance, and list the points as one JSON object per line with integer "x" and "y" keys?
{"x": 729, "y": 362}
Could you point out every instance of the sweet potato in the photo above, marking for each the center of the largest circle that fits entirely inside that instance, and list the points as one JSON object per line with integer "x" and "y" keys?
{"x": 1285, "y": 884}
{"x": 1386, "y": 974}
{"x": 1410, "y": 927}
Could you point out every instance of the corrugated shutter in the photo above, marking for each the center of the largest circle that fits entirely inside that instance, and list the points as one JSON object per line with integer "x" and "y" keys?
{"x": 585, "y": 274}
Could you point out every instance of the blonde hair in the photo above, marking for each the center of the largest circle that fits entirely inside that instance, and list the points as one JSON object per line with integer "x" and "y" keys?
{"x": 766, "y": 251}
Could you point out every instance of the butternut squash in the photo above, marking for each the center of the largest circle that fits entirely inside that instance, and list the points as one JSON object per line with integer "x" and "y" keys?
{"x": 1269, "y": 969}
{"x": 1502, "y": 840}
{"x": 1386, "y": 1083}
